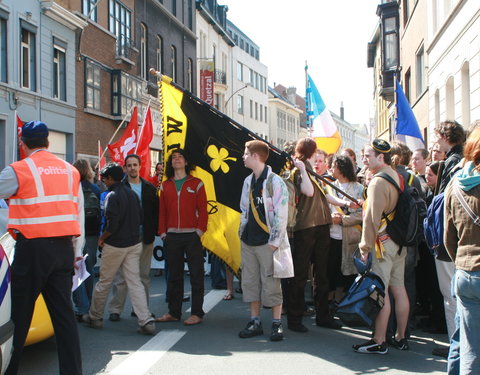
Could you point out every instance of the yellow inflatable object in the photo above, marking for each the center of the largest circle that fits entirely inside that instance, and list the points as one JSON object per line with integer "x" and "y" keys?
{"x": 41, "y": 327}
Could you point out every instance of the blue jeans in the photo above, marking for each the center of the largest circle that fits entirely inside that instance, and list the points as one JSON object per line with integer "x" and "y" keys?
{"x": 467, "y": 320}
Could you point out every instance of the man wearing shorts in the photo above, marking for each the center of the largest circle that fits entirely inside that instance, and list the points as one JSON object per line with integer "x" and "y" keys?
{"x": 263, "y": 230}
{"x": 388, "y": 261}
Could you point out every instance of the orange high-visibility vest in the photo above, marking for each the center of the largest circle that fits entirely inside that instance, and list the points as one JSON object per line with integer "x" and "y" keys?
{"x": 46, "y": 203}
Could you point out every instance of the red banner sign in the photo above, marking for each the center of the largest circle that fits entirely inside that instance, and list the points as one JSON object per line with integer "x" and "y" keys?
{"x": 207, "y": 71}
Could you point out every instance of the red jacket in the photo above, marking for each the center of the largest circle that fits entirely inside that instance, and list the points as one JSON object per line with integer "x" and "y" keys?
{"x": 184, "y": 211}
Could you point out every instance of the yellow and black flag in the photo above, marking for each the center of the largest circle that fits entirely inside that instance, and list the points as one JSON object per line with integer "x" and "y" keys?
{"x": 215, "y": 144}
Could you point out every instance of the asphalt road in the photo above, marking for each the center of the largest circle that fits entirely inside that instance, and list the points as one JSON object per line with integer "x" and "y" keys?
{"x": 214, "y": 347}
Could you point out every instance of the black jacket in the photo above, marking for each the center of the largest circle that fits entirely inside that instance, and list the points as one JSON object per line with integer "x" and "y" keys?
{"x": 123, "y": 216}
{"x": 454, "y": 156}
{"x": 150, "y": 207}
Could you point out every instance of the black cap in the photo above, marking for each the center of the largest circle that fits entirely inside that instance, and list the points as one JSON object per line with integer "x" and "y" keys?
{"x": 381, "y": 145}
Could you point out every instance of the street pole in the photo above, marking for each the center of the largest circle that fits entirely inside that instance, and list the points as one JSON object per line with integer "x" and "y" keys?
{"x": 231, "y": 96}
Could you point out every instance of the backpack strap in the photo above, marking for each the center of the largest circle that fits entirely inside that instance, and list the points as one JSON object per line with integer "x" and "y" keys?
{"x": 256, "y": 216}
{"x": 466, "y": 207}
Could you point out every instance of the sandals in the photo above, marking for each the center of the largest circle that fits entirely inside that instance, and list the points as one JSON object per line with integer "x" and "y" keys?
{"x": 166, "y": 318}
{"x": 192, "y": 320}
{"x": 228, "y": 297}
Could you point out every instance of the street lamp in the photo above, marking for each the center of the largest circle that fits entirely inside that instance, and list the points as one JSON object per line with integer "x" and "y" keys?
{"x": 231, "y": 96}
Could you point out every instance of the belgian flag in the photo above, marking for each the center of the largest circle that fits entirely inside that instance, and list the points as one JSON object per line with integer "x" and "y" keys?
{"x": 215, "y": 144}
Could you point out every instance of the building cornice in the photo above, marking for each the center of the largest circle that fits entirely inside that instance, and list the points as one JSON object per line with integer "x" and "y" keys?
{"x": 216, "y": 26}
{"x": 62, "y": 15}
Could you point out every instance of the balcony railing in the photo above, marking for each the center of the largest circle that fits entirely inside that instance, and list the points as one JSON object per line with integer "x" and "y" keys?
{"x": 220, "y": 77}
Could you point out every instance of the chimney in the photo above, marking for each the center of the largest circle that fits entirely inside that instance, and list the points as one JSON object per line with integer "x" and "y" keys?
{"x": 342, "y": 111}
{"x": 291, "y": 94}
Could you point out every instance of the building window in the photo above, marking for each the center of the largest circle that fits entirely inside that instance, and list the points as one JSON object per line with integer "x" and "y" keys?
{"x": 174, "y": 63}
{"x": 92, "y": 86}
{"x": 240, "y": 104}
{"x": 256, "y": 111}
{"x": 261, "y": 112}
{"x": 239, "y": 71}
{"x": 89, "y": 9}
{"x": 190, "y": 75}
{"x": 450, "y": 99}
{"x": 59, "y": 71}
{"x": 407, "y": 85}
{"x": 159, "y": 54}
{"x": 120, "y": 25}
{"x": 251, "y": 108}
{"x": 391, "y": 43}
{"x": 143, "y": 51}
{"x": 174, "y": 7}
{"x": 126, "y": 94}
{"x": 465, "y": 93}
{"x": 27, "y": 60}
{"x": 420, "y": 62}
{"x": 3, "y": 49}
{"x": 190, "y": 14}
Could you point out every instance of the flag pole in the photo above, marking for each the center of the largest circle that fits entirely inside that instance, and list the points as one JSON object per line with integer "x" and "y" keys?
{"x": 307, "y": 101}
{"x": 113, "y": 136}
{"x": 141, "y": 130}
{"x": 15, "y": 138}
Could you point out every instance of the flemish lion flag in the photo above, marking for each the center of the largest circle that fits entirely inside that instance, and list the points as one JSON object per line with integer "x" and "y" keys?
{"x": 215, "y": 144}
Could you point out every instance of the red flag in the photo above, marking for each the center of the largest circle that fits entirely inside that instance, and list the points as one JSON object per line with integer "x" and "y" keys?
{"x": 143, "y": 147}
{"x": 127, "y": 143}
{"x": 101, "y": 159}
{"x": 20, "y": 154}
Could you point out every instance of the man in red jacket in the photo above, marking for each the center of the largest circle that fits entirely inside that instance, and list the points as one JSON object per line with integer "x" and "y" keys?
{"x": 182, "y": 221}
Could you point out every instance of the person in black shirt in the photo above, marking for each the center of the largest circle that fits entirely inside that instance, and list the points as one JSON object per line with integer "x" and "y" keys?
{"x": 121, "y": 249}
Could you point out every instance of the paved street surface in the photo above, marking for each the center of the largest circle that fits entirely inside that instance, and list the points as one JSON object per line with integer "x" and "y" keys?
{"x": 214, "y": 347}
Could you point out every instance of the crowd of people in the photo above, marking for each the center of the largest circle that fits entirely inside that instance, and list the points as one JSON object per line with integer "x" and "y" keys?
{"x": 346, "y": 209}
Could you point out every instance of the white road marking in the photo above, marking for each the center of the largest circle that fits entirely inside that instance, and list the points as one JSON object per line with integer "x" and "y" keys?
{"x": 139, "y": 362}
{"x": 143, "y": 359}
{"x": 211, "y": 299}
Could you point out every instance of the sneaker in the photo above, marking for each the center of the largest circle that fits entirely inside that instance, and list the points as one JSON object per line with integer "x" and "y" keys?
{"x": 402, "y": 344}
{"x": 297, "y": 327}
{"x": 252, "y": 329}
{"x": 371, "y": 347}
{"x": 147, "y": 329}
{"x": 114, "y": 317}
{"x": 277, "y": 332}
{"x": 93, "y": 323}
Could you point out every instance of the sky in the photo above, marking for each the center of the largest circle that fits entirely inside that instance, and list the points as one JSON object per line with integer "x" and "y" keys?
{"x": 331, "y": 35}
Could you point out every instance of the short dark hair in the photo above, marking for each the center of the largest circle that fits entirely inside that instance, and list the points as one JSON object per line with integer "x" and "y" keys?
{"x": 112, "y": 170}
{"x": 387, "y": 156}
{"x": 133, "y": 156}
{"x": 169, "y": 172}
{"x": 345, "y": 165}
{"x": 32, "y": 143}
{"x": 424, "y": 152}
{"x": 452, "y": 131}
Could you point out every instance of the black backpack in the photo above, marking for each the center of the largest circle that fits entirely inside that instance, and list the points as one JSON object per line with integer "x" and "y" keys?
{"x": 93, "y": 217}
{"x": 406, "y": 228}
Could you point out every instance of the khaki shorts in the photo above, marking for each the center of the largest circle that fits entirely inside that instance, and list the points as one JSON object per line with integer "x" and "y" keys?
{"x": 391, "y": 268}
{"x": 258, "y": 283}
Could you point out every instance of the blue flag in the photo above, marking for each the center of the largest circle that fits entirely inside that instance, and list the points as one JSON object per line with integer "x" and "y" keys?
{"x": 407, "y": 129}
